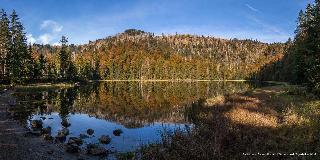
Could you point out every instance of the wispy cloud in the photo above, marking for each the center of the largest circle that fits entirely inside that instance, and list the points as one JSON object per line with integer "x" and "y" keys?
{"x": 51, "y": 29}
{"x": 51, "y": 25}
{"x": 45, "y": 38}
{"x": 30, "y": 38}
{"x": 266, "y": 26}
{"x": 252, "y": 8}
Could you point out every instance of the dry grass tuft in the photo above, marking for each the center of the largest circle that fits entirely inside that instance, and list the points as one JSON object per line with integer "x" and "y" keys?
{"x": 266, "y": 120}
{"x": 218, "y": 100}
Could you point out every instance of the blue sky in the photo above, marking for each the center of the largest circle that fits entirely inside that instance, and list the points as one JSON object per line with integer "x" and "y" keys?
{"x": 83, "y": 20}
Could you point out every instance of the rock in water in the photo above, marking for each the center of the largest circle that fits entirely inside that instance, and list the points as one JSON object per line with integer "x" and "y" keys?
{"x": 105, "y": 139}
{"x": 75, "y": 140}
{"x": 65, "y": 123}
{"x": 61, "y": 137}
{"x": 46, "y": 130}
{"x": 64, "y": 132}
{"x": 117, "y": 132}
{"x": 36, "y": 124}
{"x": 90, "y": 131}
{"x": 83, "y": 136}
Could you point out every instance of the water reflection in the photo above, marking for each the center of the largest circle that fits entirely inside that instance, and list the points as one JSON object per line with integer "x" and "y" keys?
{"x": 141, "y": 110}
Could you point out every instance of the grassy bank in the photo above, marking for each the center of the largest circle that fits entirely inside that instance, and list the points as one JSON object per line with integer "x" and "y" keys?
{"x": 170, "y": 80}
{"x": 277, "y": 120}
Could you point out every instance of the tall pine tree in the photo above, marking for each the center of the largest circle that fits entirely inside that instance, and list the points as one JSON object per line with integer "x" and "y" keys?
{"x": 18, "y": 58}
{"x": 5, "y": 41}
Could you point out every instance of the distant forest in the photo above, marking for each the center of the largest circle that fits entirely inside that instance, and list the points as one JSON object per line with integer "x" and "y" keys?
{"x": 139, "y": 55}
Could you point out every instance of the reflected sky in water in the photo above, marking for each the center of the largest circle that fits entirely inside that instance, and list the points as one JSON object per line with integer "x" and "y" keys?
{"x": 143, "y": 111}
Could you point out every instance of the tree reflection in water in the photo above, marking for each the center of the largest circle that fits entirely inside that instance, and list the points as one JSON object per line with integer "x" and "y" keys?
{"x": 133, "y": 105}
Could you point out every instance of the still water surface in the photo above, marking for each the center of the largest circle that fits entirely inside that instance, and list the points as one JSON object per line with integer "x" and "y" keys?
{"x": 143, "y": 111}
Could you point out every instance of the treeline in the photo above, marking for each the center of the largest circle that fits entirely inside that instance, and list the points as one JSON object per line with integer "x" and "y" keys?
{"x": 301, "y": 63}
{"x": 134, "y": 54}
{"x": 19, "y": 64}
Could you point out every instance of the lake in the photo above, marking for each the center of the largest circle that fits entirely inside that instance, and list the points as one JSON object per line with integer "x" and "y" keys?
{"x": 143, "y": 111}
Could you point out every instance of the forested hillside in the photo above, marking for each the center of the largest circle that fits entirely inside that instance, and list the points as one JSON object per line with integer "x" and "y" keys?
{"x": 136, "y": 54}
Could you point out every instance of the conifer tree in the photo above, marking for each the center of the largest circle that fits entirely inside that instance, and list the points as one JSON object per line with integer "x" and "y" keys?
{"x": 18, "y": 58}
{"x": 5, "y": 41}
{"x": 64, "y": 57}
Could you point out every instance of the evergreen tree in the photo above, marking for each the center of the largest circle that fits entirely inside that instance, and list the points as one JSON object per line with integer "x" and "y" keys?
{"x": 307, "y": 47}
{"x": 29, "y": 63}
{"x": 42, "y": 65}
{"x": 67, "y": 68}
{"x": 18, "y": 58}
{"x": 5, "y": 41}
{"x": 64, "y": 57}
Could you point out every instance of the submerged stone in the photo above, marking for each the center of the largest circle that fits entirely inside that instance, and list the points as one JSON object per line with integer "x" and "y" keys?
{"x": 83, "y": 136}
{"x": 105, "y": 139}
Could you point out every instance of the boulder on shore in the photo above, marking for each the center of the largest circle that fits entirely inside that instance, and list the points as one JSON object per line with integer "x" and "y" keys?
{"x": 60, "y": 138}
{"x": 71, "y": 148}
{"x": 47, "y": 137}
{"x": 96, "y": 150}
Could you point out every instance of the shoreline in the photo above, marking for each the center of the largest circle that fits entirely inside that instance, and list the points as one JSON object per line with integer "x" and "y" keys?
{"x": 250, "y": 122}
{"x": 167, "y": 80}
{"x": 17, "y": 143}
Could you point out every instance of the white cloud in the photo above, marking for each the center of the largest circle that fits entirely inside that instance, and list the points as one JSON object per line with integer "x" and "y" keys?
{"x": 45, "y": 38}
{"x": 252, "y": 8}
{"x": 30, "y": 39}
{"x": 51, "y": 25}
{"x": 56, "y": 44}
{"x": 51, "y": 32}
